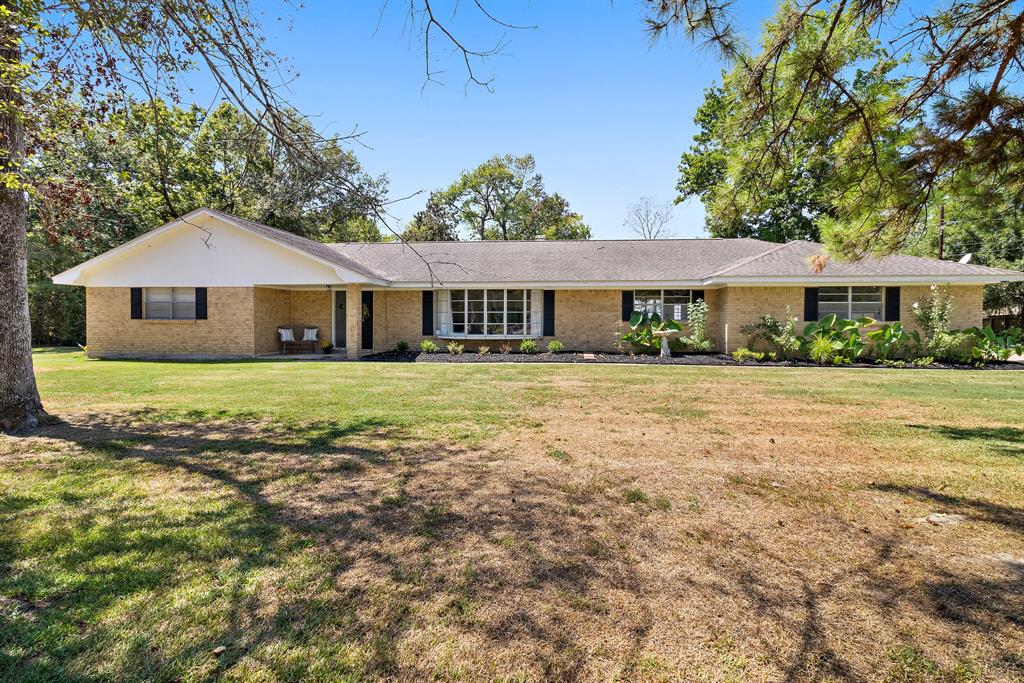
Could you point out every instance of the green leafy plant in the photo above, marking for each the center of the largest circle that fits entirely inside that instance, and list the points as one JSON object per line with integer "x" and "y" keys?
{"x": 824, "y": 349}
{"x": 697, "y": 322}
{"x": 835, "y": 340}
{"x": 402, "y": 346}
{"x": 455, "y": 348}
{"x": 528, "y": 346}
{"x": 428, "y": 346}
{"x": 991, "y": 345}
{"x": 505, "y": 347}
{"x": 779, "y": 334}
{"x": 326, "y": 346}
{"x": 924, "y": 361}
{"x": 932, "y": 314}
{"x": 893, "y": 341}
{"x": 743, "y": 354}
{"x": 642, "y": 329}
{"x": 555, "y": 346}
{"x": 484, "y": 350}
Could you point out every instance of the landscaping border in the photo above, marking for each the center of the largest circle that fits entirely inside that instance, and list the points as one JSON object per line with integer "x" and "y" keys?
{"x": 704, "y": 359}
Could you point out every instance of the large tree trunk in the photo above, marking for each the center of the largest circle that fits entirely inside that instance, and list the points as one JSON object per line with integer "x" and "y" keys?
{"x": 20, "y": 407}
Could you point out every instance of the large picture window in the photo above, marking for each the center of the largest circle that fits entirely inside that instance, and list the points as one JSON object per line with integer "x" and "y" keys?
{"x": 491, "y": 312}
{"x": 169, "y": 303}
{"x": 851, "y": 302}
{"x": 667, "y": 303}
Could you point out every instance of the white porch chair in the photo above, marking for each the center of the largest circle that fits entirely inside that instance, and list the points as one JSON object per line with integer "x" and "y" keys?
{"x": 309, "y": 335}
{"x": 287, "y": 337}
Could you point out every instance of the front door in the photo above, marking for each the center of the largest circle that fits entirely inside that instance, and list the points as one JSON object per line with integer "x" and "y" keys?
{"x": 339, "y": 318}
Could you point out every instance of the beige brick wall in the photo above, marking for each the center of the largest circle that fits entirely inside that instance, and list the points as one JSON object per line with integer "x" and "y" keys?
{"x": 111, "y": 332}
{"x": 741, "y": 306}
{"x": 585, "y": 318}
{"x": 271, "y": 308}
{"x": 291, "y": 307}
{"x": 968, "y": 305}
{"x": 397, "y": 316}
{"x": 243, "y": 321}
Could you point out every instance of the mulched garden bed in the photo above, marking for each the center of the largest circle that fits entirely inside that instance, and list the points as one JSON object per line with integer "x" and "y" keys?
{"x": 721, "y": 359}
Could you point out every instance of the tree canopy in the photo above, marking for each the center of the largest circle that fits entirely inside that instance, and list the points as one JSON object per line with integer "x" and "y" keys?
{"x": 503, "y": 198}
{"x": 99, "y": 187}
{"x": 880, "y": 106}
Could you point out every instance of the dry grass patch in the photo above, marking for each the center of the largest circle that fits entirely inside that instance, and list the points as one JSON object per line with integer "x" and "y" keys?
{"x": 721, "y": 528}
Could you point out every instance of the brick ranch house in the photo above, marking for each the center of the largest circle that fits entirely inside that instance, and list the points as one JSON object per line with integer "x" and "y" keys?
{"x": 213, "y": 285}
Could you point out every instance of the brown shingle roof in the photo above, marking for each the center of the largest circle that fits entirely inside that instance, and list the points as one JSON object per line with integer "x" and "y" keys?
{"x": 552, "y": 261}
{"x": 793, "y": 260}
{"x": 608, "y": 261}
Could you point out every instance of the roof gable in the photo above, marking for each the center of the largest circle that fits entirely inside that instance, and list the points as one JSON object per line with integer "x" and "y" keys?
{"x": 208, "y": 248}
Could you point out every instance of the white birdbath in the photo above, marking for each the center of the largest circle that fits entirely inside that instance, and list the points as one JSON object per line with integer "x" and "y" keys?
{"x": 665, "y": 335}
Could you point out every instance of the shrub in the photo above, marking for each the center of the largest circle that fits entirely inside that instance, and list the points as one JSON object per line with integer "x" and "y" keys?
{"x": 428, "y": 346}
{"x": 823, "y": 349}
{"x": 402, "y": 346}
{"x": 505, "y": 347}
{"x": 933, "y": 312}
{"x": 326, "y": 346}
{"x": 924, "y": 361}
{"x": 932, "y": 315}
{"x": 743, "y": 354}
{"x": 951, "y": 347}
{"x": 484, "y": 350}
{"x": 455, "y": 348}
{"x": 780, "y": 334}
{"x": 555, "y": 346}
{"x": 987, "y": 344}
{"x": 528, "y": 346}
{"x": 697, "y": 320}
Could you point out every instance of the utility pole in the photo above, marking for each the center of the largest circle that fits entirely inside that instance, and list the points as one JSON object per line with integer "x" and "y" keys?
{"x": 942, "y": 228}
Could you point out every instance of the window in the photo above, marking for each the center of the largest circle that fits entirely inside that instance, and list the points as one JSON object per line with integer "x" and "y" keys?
{"x": 851, "y": 302}
{"x": 490, "y": 312}
{"x": 667, "y": 303}
{"x": 169, "y": 303}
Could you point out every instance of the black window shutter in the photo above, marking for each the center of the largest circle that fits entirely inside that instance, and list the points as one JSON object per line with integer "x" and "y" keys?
{"x": 892, "y": 303}
{"x": 428, "y": 313}
{"x": 627, "y": 304}
{"x": 367, "y": 314}
{"x": 549, "y": 313}
{"x": 810, "y": 303}
{"x": 136, "y": 303}
{"x": 697, "y": 295}
{"x": 200, "y": 303}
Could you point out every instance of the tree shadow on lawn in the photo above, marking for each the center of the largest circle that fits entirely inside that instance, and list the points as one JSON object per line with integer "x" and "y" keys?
{"x": 285, "y": 541}
{"x": 1003, "y": 440}
{"x": 358, "y": 550}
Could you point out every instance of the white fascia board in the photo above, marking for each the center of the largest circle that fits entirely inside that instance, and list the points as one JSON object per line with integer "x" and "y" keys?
{"x": 563, "y": 284}
{"x": 826, "y": 280}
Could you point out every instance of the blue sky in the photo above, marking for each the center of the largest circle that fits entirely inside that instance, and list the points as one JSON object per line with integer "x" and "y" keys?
{"x": 605, "y": 113}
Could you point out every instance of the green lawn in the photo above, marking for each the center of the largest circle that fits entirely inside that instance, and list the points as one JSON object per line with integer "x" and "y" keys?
{"x": 353, "y": 521}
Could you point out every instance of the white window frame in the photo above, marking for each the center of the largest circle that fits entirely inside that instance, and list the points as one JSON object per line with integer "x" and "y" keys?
{"x": 531, "y": 303}
{"x": 660, "y": 306}
{"x": 849, "y": 301}
{"x": 173, "y": 291}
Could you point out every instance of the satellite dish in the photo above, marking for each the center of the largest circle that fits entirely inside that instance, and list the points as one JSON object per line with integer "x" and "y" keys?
{"x": 966, "y": 258}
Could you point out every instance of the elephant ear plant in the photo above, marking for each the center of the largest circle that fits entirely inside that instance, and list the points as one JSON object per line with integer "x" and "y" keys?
{"x": 893, "y": 341}
{"x": 835, "y": 340}
{"x": 642, "y": 328}
{"x": 991, "y": 345}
